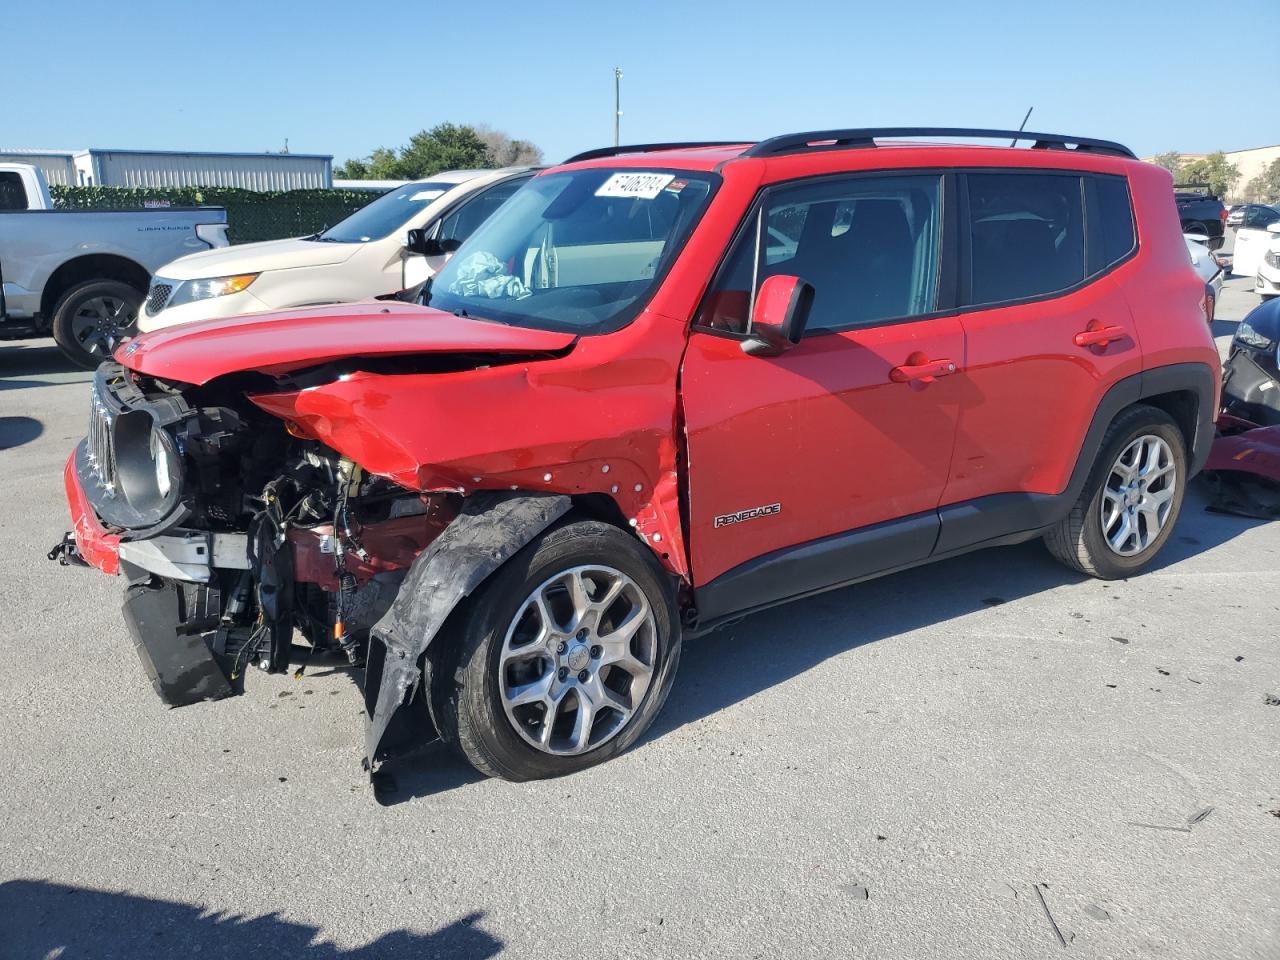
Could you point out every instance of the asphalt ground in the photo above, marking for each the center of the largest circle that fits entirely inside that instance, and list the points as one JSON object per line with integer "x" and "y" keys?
{"x": 987, "y": 757}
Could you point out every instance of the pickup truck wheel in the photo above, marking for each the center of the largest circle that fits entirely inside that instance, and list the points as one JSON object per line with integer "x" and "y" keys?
{"x": 92, "y": 318}
{"x": 1131, "y": 500}
{"x": 563, "y": 658}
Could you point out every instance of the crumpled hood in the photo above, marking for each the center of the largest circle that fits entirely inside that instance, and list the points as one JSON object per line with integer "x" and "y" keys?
{"x": 256, "y": 257}
{"x": 292, "y": 339}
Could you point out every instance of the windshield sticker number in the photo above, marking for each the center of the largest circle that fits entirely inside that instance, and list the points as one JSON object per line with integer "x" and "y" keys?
{"x": 641, "y": 186}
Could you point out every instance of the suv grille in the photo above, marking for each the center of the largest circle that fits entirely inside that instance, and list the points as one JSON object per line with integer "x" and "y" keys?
{"x": 158, "y": 297}
{"x": 101, "y": 453}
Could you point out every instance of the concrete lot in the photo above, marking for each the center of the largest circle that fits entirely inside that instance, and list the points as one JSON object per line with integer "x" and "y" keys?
{"x": 967, "y": 760}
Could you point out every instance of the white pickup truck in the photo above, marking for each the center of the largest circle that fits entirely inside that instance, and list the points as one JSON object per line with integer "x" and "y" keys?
{"x": 82, "y": 275}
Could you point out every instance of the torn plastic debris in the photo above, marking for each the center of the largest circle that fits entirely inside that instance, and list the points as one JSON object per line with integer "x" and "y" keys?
{"x": 488, "y": 531}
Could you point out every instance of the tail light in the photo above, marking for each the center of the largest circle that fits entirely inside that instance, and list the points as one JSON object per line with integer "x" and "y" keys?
{"x": 1208, "y": 304}
{"x": 1222, "y": 215}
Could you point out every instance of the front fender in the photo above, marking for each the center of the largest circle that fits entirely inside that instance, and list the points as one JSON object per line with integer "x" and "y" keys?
{"x": 490, "y": 529}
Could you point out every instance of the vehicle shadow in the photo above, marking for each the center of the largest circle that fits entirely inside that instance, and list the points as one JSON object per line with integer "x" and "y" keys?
{"x": 739, "y": 660}
{"x": 27, "y": 361}
{"x": 15, "y": 431}
{"x": 43, "y": 919}
{"x": 774, "y": 646}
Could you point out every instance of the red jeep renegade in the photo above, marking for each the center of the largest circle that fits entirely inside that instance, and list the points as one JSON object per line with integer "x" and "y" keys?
{"x": 662, "y": 387}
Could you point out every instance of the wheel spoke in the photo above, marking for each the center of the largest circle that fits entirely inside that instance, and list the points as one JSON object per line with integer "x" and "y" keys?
{"x": 537, "y": 691}
{"x": 580, "y": 737}
{"x": 554, "y": 702}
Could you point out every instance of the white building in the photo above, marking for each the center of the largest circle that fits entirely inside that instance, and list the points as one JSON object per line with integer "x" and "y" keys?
{"x": 176, "y": 168}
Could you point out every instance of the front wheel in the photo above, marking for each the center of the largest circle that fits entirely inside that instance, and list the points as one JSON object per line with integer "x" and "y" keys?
{"x": 92, "y": 318}
{"x": 1131, "y": 500}
{"x": 560, "y": 661}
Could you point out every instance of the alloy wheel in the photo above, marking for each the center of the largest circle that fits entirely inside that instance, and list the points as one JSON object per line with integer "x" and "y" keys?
{"x": 1138, "y": 495}
{"x": 100, "y": 323}
{"x": 577, "y": 659}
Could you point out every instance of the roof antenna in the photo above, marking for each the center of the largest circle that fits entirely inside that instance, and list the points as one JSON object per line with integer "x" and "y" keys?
{"x": 1022, "y": 126}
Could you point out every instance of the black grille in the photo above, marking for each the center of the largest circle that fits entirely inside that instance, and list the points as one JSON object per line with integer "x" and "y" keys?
{"x": 158, "y": 297}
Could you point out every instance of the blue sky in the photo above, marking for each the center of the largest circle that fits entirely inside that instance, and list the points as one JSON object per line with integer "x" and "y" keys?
{"x": 233, "y": 75}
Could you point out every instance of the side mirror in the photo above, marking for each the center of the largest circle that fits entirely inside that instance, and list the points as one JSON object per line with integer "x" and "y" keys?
{"x": 417, "y": 241}
{"x": 778, "y": 320}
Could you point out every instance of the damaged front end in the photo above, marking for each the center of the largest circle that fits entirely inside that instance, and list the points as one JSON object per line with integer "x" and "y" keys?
{"x": 232, "y": 533}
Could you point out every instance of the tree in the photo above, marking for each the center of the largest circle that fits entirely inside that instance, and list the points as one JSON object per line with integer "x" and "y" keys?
{"x": 1171, "y": 161}
{"x": 446, "y": 146}
{"x": 1214, "y": 170}
{"x": 1265, "y": 187}
{"x": 504, "y": 151}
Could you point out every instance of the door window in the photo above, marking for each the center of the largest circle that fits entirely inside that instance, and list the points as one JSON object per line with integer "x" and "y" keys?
{"x": 1026, "y": 235}
{"x": 869, "y": 245}
{"x": 13, "y": 195}
{"x": 463, "y": 222}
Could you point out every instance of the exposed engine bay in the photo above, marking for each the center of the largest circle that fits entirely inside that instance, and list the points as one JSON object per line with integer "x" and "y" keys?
{"x": 233, "y": 532}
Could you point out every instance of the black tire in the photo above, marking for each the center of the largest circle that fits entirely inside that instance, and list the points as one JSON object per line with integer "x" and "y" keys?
{"x": 464, "y": 673}
{"x": 84, "y": 342}
{"x": 1078, "y": 540}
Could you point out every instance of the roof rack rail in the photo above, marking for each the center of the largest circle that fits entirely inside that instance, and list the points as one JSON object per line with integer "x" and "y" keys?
{"x": 866, "y": 137}
{"x": 650, "y": 148}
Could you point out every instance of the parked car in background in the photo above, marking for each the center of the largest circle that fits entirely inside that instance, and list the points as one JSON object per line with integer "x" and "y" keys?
{"x": 1235, "y": 213}
{"x": 1267, "y": 282}
{"x": 1256, "y": 216}
{"x": 659, "y": 389}
{"x": 1200, "y": 211}
{"x": 81, "y": 275}
{"x": 1207, "y": 266}
{"x": 1251, "y": 245}
{"x": 369, "y": 254}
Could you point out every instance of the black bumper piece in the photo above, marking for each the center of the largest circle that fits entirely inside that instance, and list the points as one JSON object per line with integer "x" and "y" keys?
{"x": 181, "y": 666}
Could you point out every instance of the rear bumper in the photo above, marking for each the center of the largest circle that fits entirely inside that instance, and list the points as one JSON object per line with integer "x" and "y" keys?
{"x": 96, "y": 545}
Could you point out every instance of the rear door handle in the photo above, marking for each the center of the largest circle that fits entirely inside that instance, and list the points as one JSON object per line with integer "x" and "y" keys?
{"x": 923, "y": 372}
{"x": 1099, "y": 336}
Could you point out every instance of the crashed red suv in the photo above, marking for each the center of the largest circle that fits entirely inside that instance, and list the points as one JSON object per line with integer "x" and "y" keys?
{"x": 660, "y": 388}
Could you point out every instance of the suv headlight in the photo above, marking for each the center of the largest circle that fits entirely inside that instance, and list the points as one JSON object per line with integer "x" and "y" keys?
{"x": 189, "y": 291}
{"x": 1246, "y": 335}
{"x": 1273, "y": 258}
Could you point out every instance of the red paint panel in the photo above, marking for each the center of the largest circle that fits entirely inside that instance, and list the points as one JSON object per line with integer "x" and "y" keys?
{"x": 1029, "y": 392}
{"x": 598, "y": 420}
{"x": 278, "y": 342}
{"x": 823, "y": 430}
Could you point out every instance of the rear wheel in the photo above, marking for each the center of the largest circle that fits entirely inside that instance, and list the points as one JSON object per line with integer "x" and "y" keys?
{"x": 92, "y": 318}
{"x": 562, "y": 660}
{"x": 1131, "y": 500}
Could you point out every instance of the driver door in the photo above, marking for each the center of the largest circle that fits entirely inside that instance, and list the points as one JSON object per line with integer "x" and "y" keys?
{"x": 827, "y": 462}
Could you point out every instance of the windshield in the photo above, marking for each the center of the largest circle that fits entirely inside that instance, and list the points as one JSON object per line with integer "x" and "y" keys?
{"x": 386, "y": 214}
{"x": 573, "y": 251}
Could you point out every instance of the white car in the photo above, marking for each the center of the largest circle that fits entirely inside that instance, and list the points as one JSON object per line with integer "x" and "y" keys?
{"x": 1250, "y": 248}
{"x": 1204, "y": 260}
{"x": 364, "y": 256}
{"x": 1267, "y": 283}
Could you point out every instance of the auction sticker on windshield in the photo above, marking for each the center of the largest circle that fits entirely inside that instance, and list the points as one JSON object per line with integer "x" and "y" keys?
{"x": 644, "y": 186}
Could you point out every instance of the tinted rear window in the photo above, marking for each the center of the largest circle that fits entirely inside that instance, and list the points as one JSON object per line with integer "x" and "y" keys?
{"x": 1026, "y": 235}
{"x": 13, "y": 195}
{"x": 1112, "y": 213}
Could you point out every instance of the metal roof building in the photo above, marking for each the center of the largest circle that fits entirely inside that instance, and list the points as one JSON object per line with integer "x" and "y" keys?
{"x": 177, "y": 168}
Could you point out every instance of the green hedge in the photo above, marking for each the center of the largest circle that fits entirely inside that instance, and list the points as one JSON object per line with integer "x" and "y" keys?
{"x": 252, "y": 215}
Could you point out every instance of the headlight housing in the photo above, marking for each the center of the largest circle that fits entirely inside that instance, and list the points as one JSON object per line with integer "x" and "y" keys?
{"x": 189, "y": 291}
{"x": 1273, "y": 258}
{"x": 1249, "y": 337}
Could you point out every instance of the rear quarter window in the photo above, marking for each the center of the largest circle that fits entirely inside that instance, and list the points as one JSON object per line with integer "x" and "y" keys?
{"x": 13, "y": 195}
{"x": 1109, "y": 212}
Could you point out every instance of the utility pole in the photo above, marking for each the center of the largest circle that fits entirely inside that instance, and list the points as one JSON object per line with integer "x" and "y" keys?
{"x": 617, "y": 102}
